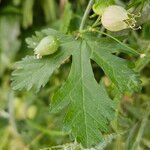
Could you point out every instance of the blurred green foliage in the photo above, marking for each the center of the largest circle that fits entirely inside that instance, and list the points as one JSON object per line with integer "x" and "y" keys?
{"x": 25, "y": 121}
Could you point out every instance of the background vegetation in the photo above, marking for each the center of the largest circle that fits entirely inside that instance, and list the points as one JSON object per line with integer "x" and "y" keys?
{"x": 25, "y": 120}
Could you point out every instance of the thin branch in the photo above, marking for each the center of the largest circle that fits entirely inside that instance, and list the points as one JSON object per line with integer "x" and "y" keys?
{"x": 86, "y": 13}
{"x": 97, "y": 22}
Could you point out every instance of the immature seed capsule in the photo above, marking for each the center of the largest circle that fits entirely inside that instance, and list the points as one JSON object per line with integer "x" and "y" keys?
{"x": 116, "y": 18}
{"x": 48, "y": 45}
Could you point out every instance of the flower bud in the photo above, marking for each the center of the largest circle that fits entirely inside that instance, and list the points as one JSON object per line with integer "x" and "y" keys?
{"x": 48, "y": 45}
{"x": 116, "y": 18}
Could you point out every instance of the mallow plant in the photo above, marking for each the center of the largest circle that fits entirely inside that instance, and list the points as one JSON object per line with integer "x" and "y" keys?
{"x": 89, "y": 108}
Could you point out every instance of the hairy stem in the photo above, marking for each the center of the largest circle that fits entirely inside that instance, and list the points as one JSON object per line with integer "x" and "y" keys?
{"x": 86, "y": 13}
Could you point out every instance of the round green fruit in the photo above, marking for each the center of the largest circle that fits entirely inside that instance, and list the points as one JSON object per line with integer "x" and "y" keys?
{"x": 48, "y": 45}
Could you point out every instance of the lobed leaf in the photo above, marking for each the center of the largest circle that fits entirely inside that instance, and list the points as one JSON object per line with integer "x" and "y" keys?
{"x": 32, "y": 72}
{"x": 36, "y": 73}
{"x": 117, "y": 69}
{"x": 89, "y": 108}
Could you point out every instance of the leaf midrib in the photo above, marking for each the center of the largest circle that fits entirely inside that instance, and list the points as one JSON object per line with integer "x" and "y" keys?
{"x": 83, "y": 95}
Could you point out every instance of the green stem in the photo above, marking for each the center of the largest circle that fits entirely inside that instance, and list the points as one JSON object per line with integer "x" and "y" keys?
{"x": 132, "y": 50}
{"x": 97, "y": 22}
{"x": 86, "y": 13}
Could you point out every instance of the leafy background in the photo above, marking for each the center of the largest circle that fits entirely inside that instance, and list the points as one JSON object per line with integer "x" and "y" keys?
{"x": 25, "y": 119}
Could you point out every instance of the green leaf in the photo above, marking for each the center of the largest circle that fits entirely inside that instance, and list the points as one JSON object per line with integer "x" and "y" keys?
{"x": 35, "y": 39}
{"x": 111, "y": 43}
{"x": 35, "y": 73}
{"x": 32, "y": 72}
{"x": 90, "y": 108}
{"x": 117, "y": 69}
{"x": 100, "y": 6}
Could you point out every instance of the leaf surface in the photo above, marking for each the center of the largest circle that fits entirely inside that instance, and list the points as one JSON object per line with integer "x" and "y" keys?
{"x": 117, "y": 69}
{"x": 32, "y": 72}
{"x": 89, "y": 108}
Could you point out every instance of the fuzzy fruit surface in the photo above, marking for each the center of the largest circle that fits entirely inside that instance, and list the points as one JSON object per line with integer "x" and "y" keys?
{"x": 114, "y": 17}
{"x": 47, "y": 46}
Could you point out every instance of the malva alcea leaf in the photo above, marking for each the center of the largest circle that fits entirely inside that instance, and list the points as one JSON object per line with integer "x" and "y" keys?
{"x": 35, "y": 73}
{"x": 89, "y": 108}
{"x": 117, "y": 69}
